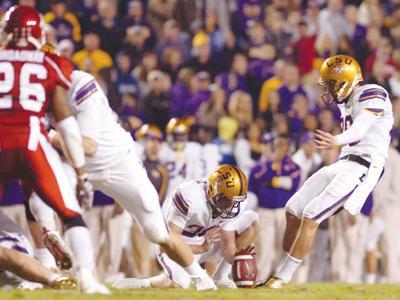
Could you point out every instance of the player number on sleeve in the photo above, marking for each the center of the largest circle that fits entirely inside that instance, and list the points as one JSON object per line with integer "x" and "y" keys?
{"x": 27, "y": 89}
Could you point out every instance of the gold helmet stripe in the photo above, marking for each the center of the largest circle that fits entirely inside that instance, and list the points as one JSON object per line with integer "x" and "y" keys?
{"x": 240, "y": 178}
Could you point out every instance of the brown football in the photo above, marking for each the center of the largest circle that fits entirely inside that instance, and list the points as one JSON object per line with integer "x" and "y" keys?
{"x": 244, "y": 270}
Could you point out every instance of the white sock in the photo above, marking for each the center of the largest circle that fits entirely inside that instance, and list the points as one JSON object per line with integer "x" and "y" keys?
{"x": 45, "y": 258}
{"x": 79, "y": 240}
{"x": 195, "y": 270}
{"x": 289, "y": 267}
{"x": 223, "y": 270}
{"x": 370, "y": 278}
{"x": 281, "y": 262}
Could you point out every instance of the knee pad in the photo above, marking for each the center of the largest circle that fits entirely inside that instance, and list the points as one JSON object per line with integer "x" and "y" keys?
{"x": 74, "y": 222}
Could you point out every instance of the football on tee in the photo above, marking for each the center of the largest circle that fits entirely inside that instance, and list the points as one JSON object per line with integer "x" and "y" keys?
{"x": 244, "y": 270}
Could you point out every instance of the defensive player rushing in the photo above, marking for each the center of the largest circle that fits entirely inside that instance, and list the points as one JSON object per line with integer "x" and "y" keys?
{"x": 116, "y": 170}
{"x": 199, "y": 210}
{"x": 367, "y": 119}
{"x": 33, "y": 82}
{"x": 17, "y": 266}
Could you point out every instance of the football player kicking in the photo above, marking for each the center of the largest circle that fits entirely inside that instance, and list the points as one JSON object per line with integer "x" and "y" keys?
{"x": 116, "y": 170}
{"x": 200, "y": 211}
{"x": 367, "y": 119}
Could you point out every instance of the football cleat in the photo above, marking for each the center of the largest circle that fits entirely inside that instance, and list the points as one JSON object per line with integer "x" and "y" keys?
{"x": 64, "y": 282}
{"x": 57, "y": 247}
{"x": 273, "y": 283}
{"x": 204, "y": 283}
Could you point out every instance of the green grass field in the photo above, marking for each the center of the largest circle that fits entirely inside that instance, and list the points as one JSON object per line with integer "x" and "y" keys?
{"x": 308, "y": 291}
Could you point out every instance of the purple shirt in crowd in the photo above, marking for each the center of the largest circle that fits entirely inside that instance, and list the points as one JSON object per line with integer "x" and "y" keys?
{"x": 260, "y": 182}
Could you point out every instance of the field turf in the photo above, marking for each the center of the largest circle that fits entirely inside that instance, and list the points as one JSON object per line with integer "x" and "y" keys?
{"x": 307, "y": 291}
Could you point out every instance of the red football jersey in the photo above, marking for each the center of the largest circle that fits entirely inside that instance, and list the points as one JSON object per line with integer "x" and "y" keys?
{"x": 27, "y": 82}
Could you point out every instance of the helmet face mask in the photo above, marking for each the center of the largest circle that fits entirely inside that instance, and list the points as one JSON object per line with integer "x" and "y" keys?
{"x": 177, "y": 134}
{"x": 225, "y": 207}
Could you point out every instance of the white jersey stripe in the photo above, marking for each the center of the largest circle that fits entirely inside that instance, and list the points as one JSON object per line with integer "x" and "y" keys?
{"x": 59, "y": 72}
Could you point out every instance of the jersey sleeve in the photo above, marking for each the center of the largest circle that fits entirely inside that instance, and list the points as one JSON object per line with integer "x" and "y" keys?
{"x": 60, "y": 69}
{"x": 83, "y": 90}
{"x": 373, "y": 99}
{"x": 180, "y": 209}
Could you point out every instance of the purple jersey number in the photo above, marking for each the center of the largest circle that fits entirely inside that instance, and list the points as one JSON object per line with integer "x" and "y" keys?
{"x": 173, "y": 171}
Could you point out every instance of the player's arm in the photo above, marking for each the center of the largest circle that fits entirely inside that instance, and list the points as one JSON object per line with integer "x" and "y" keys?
{"x": 28, "y": 268}
{"x": 69, "y": 130}
{"x": 89, "y": 145}
{"x": 355, "y": 133}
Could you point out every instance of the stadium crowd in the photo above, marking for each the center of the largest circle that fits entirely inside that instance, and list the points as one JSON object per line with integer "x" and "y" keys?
{"x": 243, "y": 75}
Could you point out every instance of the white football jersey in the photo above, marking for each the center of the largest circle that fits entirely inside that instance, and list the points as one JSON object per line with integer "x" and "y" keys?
{"x": 374, "y": 144}
{"x": 97, "y": 121}
{"x": 210, "y": 158}
{"x": 181, "y": 165}
{"x": 188, "y": 208}
{"x": 307, "y": 165}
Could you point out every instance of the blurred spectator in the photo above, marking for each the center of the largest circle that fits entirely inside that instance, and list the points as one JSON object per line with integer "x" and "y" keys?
{"x": 159, "y": 12}
{"x": 237, "y": 77}
{"x": 148, "y": 63}
{"x": 157, "y": 102}
{"x": 172, "y": 62}
{"x": 290, "y": 88}
{"x": 248, "y": 11}
{"x": 212, "y": 110}
{"x": 211, "y": 25}
{"x": 277, "y": 35}
{"x": 369, "y": 46}
{"x": 327, "y": 121}
{"x": 383, "y": 54}
{"x": 274, "y": 182}
{"x": 173, "y": 36}
{"x": 271, "y": 84}
{"x": 137, "y": 42}
{"x": 199, "y": 95}
{"x": 124, "y": 81}
{"x": 331, "y": 22}
{"x": 202, "y": 59}
{"x": 304, "y": 50}
{"x": 297, "y": 114}
{"x": 223, "y": 11}
{"x": 91, "y": 58}
{"x": 355, "y": 31}
{"x": 63, "y": 21}
{"x": 108, "y": 27}
{"x": 227, "y": 129}
{"x": 240, "y": 108}
{"x": 378, "y": 76}
{"x": 182, "y": 91}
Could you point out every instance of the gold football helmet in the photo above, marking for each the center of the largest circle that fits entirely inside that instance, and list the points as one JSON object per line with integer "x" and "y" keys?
{"x": 149, "y": 131}
{"x": 227, "y": 187}
{"x": 177, "y": 133}
{"x": 339, "y": 75}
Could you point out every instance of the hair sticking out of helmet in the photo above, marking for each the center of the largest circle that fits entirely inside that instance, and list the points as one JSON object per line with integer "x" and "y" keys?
{"x": 339, "y": 75}
{"x": 227, "y": 188}
{"x": 177, "y": 133}
{"x": 24, "y": 28}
